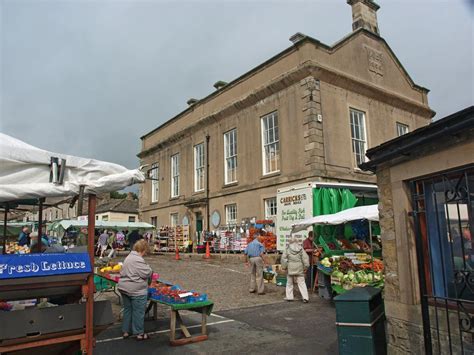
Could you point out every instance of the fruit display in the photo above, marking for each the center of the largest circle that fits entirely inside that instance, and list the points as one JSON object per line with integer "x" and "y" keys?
{"x": 111, "y": 269}
{"x": 173, "y": 294}
{"x": 269, "y": 239}
{"x": 14, "y": 248}
{"x": 354, "y": 270}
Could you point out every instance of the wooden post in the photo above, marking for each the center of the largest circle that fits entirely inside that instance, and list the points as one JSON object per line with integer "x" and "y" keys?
{"x": 90, "y": 281}
{"x": 173, "y": 325}
{"x": 40, "y": 224}
{"x": 4, "y": 241}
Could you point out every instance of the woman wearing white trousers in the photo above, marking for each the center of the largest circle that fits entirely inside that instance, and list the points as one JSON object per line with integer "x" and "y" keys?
{"x": 296, "y": 261}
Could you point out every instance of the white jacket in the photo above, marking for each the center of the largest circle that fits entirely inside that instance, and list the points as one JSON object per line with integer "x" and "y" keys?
{"x": 295, "y": 260}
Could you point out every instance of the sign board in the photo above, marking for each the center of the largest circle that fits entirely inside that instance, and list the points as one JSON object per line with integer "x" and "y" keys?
{"x": 293, "y": 205}
{"x": 33, "y": 265}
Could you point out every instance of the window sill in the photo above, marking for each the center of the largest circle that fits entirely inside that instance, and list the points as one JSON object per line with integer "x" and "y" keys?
{"x": 360, "y": 171}
{"x": 230, "y": 184}
{"x": 198, "y": 192}
{"x": 270, "y": 175}
{"x": 174, "y": 198}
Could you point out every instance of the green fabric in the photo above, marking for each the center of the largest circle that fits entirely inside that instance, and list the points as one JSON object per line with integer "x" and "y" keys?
{"x": 329, "y": 201}
{"x": 103, "y": 284}
{"x": 197, "y": 306}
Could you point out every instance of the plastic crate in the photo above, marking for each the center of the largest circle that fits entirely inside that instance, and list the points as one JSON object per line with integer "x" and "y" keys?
{"x": 323, "y": 242}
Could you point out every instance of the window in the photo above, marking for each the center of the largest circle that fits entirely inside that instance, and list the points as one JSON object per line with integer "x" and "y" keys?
{"x": 105, "y": 218}
{"x": 174, "y": 219}
{"x": 155, "y": 189}
{"x": 199, "y": 167}
{"x": 402, "y": 129}
{"x": 270, "y": 208}
{"x": 359, "y": 142}
{"x": 96, "y": 218}
{"x": 271, "y": 143}
{"x": 131, "y": 218}
{"x": 230, "y": 156}
{"x": 154, "y": 221}
{"x": 175, "y": 175}
{"x": 231, "y": 214}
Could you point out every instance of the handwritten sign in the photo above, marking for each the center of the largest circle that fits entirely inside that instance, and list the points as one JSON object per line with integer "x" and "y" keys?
{"x": 33, "y": 265}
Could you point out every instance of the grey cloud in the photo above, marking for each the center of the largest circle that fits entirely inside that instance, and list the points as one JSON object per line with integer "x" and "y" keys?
{"x": 90, "y": 77}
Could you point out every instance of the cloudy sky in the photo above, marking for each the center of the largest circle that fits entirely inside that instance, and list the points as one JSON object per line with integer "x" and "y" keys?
{"x": 90, "y": 77}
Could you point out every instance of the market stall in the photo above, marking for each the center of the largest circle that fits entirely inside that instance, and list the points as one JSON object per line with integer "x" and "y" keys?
{"x": 164, "y": 293}
{"x": 47, "y": 298}
{"x": 348, "y": 262}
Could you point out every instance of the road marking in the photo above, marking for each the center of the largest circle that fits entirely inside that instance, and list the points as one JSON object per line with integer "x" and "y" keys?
{"x": 217, "y": 316}
{"x": 167, "y": 330}
{"x": 224, "y": 268}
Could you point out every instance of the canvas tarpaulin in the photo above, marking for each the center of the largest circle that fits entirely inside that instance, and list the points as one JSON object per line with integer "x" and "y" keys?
{"x": 329, "y": 201}
{"x": 25, "y": 173}
{"x": 369, "y": 213}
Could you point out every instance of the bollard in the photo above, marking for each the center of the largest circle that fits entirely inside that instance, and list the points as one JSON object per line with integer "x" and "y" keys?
{"x": 176, "y": 256}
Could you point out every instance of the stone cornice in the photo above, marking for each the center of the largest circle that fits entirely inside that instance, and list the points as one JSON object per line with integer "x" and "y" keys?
{"x": 308, "y": 68}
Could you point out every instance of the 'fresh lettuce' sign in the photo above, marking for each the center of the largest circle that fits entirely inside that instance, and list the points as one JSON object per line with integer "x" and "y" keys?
{"x": 32, "y": 265}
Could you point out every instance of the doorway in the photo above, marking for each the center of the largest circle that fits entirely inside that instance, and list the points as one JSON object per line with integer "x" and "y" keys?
{"x": 199, "y": 226}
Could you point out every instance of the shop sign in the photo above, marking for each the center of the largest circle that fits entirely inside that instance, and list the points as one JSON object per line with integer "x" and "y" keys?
{"x": 292, "y": 206}
{"x": 33, "y": 265}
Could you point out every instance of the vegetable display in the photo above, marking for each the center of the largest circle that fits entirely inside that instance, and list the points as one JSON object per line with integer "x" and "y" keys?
{"x": 353, "y": 270}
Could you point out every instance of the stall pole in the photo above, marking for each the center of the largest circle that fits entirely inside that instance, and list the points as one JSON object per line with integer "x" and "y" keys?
{"x": 371, "y": 248}
{"x": 4, "y": 241}
{"x": 208, "y": 212}
{"x": 40, "y": 225}
{"x": 90, "y": 282}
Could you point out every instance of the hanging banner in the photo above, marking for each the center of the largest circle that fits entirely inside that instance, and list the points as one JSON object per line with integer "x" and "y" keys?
{"x": 33, "y": 265}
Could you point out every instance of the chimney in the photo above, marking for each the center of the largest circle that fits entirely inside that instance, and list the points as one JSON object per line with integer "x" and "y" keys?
{"x": 298, "y": 36}
{"x": 219, "y": 84}
{"x": 364, "y": 15}
{"x": 192, "y": 101}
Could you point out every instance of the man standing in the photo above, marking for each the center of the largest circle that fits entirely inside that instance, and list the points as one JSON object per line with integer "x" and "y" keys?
{"x": 103, "y": 242}
{"x": 256, "y": 262}
{"x": 308, "y": 247}
{"x": 24, "y": 237}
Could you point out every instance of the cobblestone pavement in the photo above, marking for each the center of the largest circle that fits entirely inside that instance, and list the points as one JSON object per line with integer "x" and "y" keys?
{"x": 226, "y": 282}
{"x": 241, "y": 322}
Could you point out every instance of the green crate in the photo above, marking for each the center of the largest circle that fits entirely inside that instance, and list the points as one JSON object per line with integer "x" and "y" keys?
{"x": 281, "y": 280}
{"x": 323, "y": 242}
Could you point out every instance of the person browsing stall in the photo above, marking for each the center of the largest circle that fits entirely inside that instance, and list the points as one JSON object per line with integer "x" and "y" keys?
{"x": 24, "y": 236}
{"x": 133, "y": 286}
{"x": 308, "y": 246}
{"x": 296, "y": 261}
{"x": 254, "y": 259}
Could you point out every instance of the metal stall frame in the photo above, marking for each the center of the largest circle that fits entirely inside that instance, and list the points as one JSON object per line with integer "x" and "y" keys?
{"x": 85, "y": 337}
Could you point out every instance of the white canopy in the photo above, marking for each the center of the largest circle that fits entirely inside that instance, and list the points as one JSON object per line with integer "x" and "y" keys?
{"x": 370, "y": 213}
{"x": 25, "y": 173}
{"x": 66, "y": 223}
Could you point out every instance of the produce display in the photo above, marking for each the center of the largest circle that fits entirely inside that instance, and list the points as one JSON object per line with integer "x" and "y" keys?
{"x": 269, "y": 239}
{"x": 14, "y": 248}
{"x": 353, "y": 270}
{"x": 173, "y": 294}
{"x": 111, "y": 269}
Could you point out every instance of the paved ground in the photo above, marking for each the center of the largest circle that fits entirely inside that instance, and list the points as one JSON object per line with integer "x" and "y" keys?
{"x": 281, "y": 328}
{"x": 225, "y": 282}
{"x": 241, "y": 322}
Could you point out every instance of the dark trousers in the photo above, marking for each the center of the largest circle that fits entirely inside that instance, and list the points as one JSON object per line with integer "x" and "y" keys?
{"x": 310, "y": 277}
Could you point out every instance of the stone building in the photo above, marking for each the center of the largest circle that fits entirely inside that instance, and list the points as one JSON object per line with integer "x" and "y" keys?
{"x": 426, "y": 192}
{"x": 307, "y": 114}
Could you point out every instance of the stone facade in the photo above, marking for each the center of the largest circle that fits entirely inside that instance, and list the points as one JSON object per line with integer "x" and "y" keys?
{"x": 402, "y": 286}
{"x": 312, "y": 88}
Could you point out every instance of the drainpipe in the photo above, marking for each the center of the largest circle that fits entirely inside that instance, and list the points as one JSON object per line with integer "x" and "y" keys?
{"x": 207, "y": 183}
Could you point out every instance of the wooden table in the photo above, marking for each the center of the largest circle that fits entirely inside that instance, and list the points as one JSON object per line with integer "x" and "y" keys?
{"x": 205, "y": 308}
